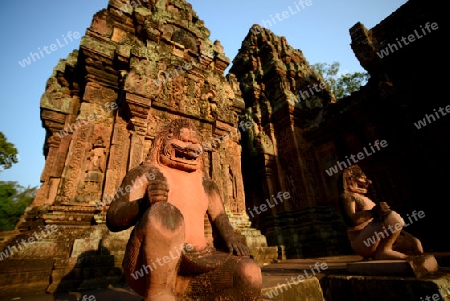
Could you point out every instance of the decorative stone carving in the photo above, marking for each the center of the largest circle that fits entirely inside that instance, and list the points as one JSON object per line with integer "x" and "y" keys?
{"x": 94, "y": 174}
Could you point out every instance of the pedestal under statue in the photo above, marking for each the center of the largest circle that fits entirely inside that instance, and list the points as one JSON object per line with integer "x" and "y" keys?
{"x": 167, "y": 256}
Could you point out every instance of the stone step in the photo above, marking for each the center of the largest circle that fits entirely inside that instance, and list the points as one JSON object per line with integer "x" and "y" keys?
{"x": 292, "y": 288}
{"x": 387, "y": 288}
{"x": 416, "y": 267}
{"x": 335, "y": 283}
{"x": 339, "y": 284}
{"x": 24, "y": 276}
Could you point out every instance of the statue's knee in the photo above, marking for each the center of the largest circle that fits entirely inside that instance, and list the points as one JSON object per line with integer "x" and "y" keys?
{"x": 394, "y": 219}
{"x": 248, "y": 274}
{"x": 163, "y": 216}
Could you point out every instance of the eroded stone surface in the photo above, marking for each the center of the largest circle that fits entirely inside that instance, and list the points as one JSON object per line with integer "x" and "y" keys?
{"x": 293, "y": 146}
{"x": 388, "y": 288}
{"x": 278, "y": 288}
{"x": 417, "y": 266}
{"x": 288, "y": 148}
{"x": 284, "y": 98}
{"x": 139, "y": 66}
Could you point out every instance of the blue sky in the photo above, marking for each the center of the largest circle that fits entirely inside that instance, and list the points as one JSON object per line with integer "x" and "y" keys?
{"x": 320, "y": 31}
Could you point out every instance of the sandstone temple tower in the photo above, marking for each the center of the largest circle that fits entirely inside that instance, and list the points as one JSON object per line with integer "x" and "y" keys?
{"x": 138, "y": 67}
{"x": 299, "y": 131}
{"x": 285, "y": 99}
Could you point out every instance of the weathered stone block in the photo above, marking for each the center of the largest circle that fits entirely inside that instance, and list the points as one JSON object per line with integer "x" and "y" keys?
{"x": 26, "y": 288}
{"x": 56, "y": 102}
{"x": 25, "y": 265}
{"x": 68, "y": 273}
{"x": 386, "y": 288}
{"x": 65, "y": 263}
{"x": 97, "y": 46}
{"x": 264, "y": 255}
{"x": 98, "y": 94}
{"x": 417, "y": 266}
{"x": 24, "y": 276}
{"x": 84, "y": 245}
{"x": 278, "y": 288}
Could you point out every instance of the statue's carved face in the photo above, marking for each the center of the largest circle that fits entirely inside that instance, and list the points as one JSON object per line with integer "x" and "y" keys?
{"x": 181, "y": 150}
{"x": 355, "y": 180}
{"x": 178, "y": 146}
{"x": 361, "y": 180}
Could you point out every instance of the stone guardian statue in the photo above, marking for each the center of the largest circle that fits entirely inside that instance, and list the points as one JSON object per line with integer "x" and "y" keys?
{"x": 167, "y": 256}
{"x": 374, "y": 230}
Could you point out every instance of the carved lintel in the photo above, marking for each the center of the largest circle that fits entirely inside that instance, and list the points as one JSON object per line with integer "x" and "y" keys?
{"x": 139, "y": 106}
{"x": 99, "y": 94}
{"x": 139, "y": 126}
{"x": 53, "y": 116}
{"x": 223, "y": 128}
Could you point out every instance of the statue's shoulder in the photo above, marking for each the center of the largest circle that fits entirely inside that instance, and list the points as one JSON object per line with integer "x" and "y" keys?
{"x": 144, "y": 169}
{"x": 351, "y": 197}
{"x": 348, "y": 196}
{"x": 209, "y": 184}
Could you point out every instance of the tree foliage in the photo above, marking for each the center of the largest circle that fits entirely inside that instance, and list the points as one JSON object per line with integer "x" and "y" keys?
{"x": 342, "y": 84}
{"x": 14, "y": 198}
{"x": 8, "y": 153}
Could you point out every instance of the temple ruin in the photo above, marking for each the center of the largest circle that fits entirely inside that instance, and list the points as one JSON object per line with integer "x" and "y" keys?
{"x": 270, "y": 125}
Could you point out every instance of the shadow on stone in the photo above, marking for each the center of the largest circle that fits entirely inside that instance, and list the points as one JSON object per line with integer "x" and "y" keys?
{"x": 92, "y": 273}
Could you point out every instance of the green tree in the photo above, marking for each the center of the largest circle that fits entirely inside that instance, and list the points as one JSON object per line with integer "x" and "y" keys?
{"x": 8, "y": 153}
{"x": 14, "y": 198}
{"x": 341, "y": 84}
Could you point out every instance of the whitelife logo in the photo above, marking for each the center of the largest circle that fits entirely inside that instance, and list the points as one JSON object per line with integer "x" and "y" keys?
{"x": 430, "y": 118}
{"x": 397, "y": 227}
{"x": 24, "y": 244}
{"x": 342, "y": 165}
{"x": 318, "y": 267}
{"x": 48, "y": 50}
{"x": 411, "y": 38}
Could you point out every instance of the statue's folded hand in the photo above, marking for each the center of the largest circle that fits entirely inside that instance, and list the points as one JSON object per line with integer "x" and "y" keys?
{"x": 225, "y": 229}
{"x": 236, "y": 247}
{"x": 380, "y": 210}
{"x": 384, "y": 207}
{"x": 157, "y": 191}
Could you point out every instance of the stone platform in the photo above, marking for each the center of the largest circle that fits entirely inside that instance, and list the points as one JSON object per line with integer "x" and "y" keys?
{"x": 416, "y": 267}
{"x": 282, "y": 288}
{"x": 335, "y": 283}
{"x": 387, "y": 288}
